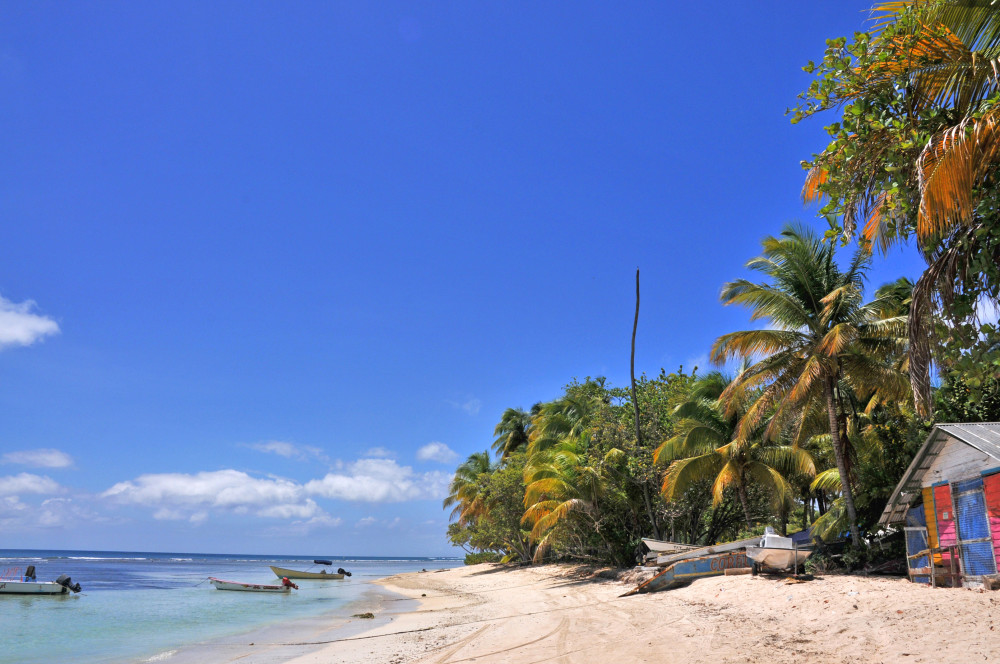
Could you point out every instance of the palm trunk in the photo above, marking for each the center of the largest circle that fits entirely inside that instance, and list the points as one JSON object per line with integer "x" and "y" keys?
{"x": 742, "y": 493}
{"x": 838, "y": 453}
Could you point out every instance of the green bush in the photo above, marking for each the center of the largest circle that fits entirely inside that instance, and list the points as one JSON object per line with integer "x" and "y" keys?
{"x": 482, "y": 557}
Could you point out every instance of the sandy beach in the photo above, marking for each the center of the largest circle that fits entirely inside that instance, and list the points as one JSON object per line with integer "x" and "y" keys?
{"x": 556, "y": 614}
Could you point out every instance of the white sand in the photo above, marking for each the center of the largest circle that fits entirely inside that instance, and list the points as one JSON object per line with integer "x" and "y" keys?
{"x": 549, "y": 614}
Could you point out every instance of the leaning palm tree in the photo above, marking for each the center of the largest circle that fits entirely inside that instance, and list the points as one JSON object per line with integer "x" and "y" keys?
{"x": 562, "y": 483}
{"x": 820, "y": 336}
{"x": 707, "y": 447}
{"x": 464, "y": 490}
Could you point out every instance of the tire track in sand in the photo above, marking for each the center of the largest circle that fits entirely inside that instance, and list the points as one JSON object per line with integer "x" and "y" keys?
{"x": 561, "y": 629}
{"x": 461, "y": 644}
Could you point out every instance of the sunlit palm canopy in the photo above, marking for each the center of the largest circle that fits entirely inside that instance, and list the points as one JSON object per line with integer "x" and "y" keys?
{"x": 463, "y": 492}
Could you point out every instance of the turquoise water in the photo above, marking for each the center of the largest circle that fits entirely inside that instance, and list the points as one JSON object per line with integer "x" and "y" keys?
{"x": 138, "y": 606}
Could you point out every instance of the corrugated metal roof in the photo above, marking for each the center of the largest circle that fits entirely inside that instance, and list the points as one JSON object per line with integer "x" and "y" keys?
{"x": 984, "y": 436}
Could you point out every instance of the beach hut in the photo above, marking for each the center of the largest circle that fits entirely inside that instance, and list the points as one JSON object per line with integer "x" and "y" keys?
{"x": 948, "y": 502}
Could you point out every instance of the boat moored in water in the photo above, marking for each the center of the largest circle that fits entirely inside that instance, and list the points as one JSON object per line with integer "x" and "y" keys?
{"x": 285, "y": 586}
{"x": 27, "y": 584}
{"x": 321, "y": 575}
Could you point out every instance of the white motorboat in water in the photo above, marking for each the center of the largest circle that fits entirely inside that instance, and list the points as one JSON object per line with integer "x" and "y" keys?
{"x": 285, "y": 587}
{"x": 27, "y": 584}
{"x": 776, "y": 552}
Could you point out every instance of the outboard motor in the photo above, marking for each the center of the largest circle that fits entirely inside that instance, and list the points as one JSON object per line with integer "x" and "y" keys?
{"x": 30, "y": 573}
{"x": 68, "y": 584}
{"x": 341, "y": 570}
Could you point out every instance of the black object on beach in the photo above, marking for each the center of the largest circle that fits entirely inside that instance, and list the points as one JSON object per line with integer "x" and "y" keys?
{"x": 323, "y": 562}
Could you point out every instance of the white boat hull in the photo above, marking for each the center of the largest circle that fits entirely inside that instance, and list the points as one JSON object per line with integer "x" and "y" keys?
{"x": 777, "y": 559}
{"x": 32, "y": 588}
{"x": 295, "y": 574}
{"x": 249, "y": 587}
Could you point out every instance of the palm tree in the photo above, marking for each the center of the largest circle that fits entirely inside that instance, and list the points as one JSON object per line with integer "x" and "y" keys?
{"x": 707, "y": 447}
{"x": 463, "y": 492}
{"x": 820, "y": 337}
{"x": 569, "y": 416}
{"x": 512, "y": 431}
{"x": 925, "y": 158}
{"x": 561, "y": 483}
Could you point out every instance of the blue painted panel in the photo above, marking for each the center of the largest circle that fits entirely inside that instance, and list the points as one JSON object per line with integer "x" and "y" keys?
{"x": 967, "y": 485}
{"x": 915, "y": 516}
{"x": 916, "y": 540}
{"x": 970, "y": 514}
{"x": 978, "y": 558}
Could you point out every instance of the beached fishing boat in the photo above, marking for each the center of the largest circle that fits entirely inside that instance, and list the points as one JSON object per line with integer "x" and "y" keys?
{"x": 14, "y": 583}
{"x": 682, "y": 568}
{"x": 285, "y": 586}
{"x": 776, "y": 552}
{"x": 685, "y": 571}
{"x": 663, "y": 547}
{"x": 322, "y": 574}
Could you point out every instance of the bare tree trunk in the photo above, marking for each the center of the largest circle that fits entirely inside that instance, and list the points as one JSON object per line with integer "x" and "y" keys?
{"x": 838, "y": 453}
{"x": 635, "y": 406}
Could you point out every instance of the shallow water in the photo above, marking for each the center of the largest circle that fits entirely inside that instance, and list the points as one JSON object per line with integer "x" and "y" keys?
{"x": 144, "y": 606}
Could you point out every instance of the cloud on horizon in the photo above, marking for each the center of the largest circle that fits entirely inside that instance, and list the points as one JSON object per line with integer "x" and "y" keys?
{"x": 42, "y": 458}
{"x": 21, "y": 326}
{"x": 194, "y": 496}
{"x": 16, "y": 485}
{"x": 380, "y": 481}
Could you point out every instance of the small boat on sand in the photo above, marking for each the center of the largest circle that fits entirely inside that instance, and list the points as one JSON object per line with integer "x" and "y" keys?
{"x": 27, "y": 584}
{"x": 321, "y": 575}
{"x": 776, "y": 552}
{"x": 662, "y": 547}
{"x": 285, "y": 586}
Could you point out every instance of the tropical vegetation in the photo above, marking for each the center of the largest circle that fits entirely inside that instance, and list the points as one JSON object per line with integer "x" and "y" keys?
{"x": 812, "y": 416}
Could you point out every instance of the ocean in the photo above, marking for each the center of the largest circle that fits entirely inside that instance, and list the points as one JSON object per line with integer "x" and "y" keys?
{"x": 149, "y": 607}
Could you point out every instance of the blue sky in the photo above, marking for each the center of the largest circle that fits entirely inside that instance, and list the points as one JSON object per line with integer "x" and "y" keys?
{"x": 270, "y": 269}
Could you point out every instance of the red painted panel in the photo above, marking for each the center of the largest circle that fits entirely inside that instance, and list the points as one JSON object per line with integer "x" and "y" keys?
{"x": 945, "y": 515}
{"x": 991, "y": 487}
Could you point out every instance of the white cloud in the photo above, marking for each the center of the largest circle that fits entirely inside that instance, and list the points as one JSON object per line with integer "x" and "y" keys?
{"x": 20, "y": 326}
{"x": 380, "y": 481}
{"x": 365, "y": 522}
{"x": 436, "y": 451}
{"x": 51, "y": 513}
{"x": 290, "y": 450}
{"x": 44, "y": 458}
{"x": 380, "y": 453}
{"x": 184, "y": 496}
{"x": 15, "y": 485}
{"x": 472, "y": 405}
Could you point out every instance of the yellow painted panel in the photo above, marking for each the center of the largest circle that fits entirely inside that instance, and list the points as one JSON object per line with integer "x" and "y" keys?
{"x": 931, "y": 517}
